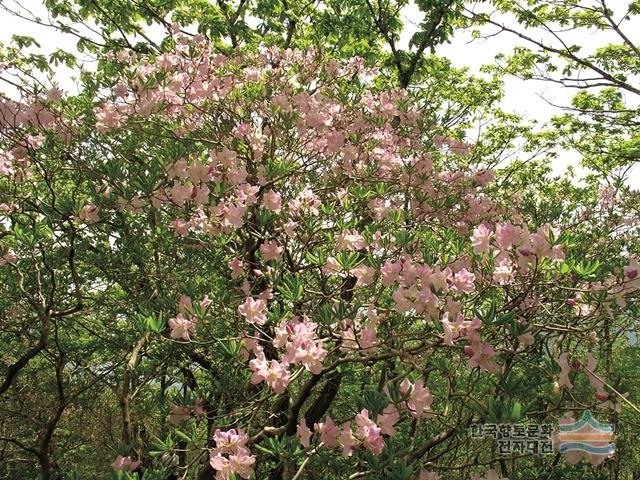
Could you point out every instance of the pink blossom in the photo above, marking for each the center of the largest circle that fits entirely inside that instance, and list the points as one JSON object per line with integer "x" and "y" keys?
{"x": 463, "y": 281}
{"x": 133, "y": 206}
{"x": 507, "y": 235}
{"x": 230, "y": 441}
{"x": 200, "y": 195}
{"x": 271, "y": 251}
{"x": 607, "y": 197}
{"x": 180, "y": 193}
{"x": 199, "y": 173}
{"x": 480, "y": 239}
{"x": 240, "y": 464}
{"x": 332, "y": 266}
{"x": 418, "y": 397}
{"x": 481, "y": 356}
{"x": 329, "y": 432}
{"x": 369, "y": 433}
{"x": 180, "y": 226}
{"x": 387, "y": 419}
{"x": 350, "y": 240}
{"x": 89, "y": 214}
{"x": 390, "y": 272}
{"x": 459, "y": 328}
{"x": 304, "y": 433}
{"x": 289, "y": 228}
{"x": 179, "y": 414}
{"x": 237, "y": 267}
{"x": 197, "y": 407}
{"x": 493, "y": 475}
{"x": 306, "y": 201}
{"x": 503, "y": 273}
{"x": 527, "y": 338}
{"x": 347, "y": 440}
{"x": 9, "y": 257}
{"x": 107, "y": 117}
{"x": 246, "y": 194}
{"x": 631, "y": 270}
{"x": 310, "y": 354}
{"x": 182, "y": 327}
{"x": 275, "y": 374}
{"x": 232, "y": 216}
{"x": 124, "y": 463}
{"x": 254, "y": 311}
{"x": 364, "y": 274}
{"x": 595, "y": 382}
{"x": 271, "y": 201}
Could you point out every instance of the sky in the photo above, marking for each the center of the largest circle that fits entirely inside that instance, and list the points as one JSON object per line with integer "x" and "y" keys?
{"x": 530, "y": 99}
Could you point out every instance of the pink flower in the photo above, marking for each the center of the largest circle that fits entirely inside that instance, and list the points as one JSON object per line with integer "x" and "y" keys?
{"x": 232, "y": 216}
{"x": 364, "y": 274}
{"x": 419, "y": 398}
{"x": 240, "y": 463}
{"x": 230, "y": 441}
{"x": 9, "y": 257}
{"x": 306, "y": 201}
{"x": 463, "y": 281}
{"x": 180, "y": 226}
{"x": 350, "y": 240}
{"x": 329, "y": 432}
{"x": 631, "y": 270}
{"x": 180, "y": 193}
{"x": 390, "y": 273}
{"x": 493, "y": 475}
{"x": 178, "y": 414}
{"x": 304, "y": 433}
{"x": 275, "y": 374}
{"x": 480, "y": 239}
{"x": 503, "y": 273}
{"x": 289, "y": 228}
{"x": 237, "y": 267}
{"x": 332, "y": 267}
{"x": 89, "y": 214}
{"x": 107, "y": 117}
{"x": 481, "y": 356}
{"x": 507, "y": 235}
{"x": 199, "y": 173}
{"x": 347, "y": 440}
{"x": 254, "y": 311}
{"x": 310, "y": 354}
{"x": 182, "y": 327}
{"x": 246, "y": 194}
{"x": 124, "y": 463}
{"x": 242, "y": 129}
{"x": 369, "y": 433}
{"x": 387, "y": 419}
{"x": 595, "y": 382}
{"x": 271, "y": 251}
{"x": 461, "y": 327}
{"x": 565, "y": 369}
{"x": 271, "y": 201}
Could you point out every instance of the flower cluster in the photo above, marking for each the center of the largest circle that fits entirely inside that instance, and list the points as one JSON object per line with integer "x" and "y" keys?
{"x": 183, "y": 325}
{"x": 231, "y": 455}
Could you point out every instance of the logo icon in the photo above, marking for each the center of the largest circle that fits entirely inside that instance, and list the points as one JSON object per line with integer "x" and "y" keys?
{"x": 587, "y": 435}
